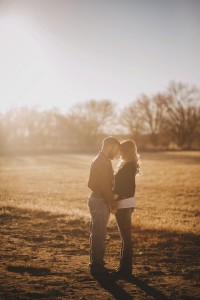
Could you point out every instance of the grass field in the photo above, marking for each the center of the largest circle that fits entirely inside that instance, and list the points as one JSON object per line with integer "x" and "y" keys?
{"x": 43, "y": 202}
{"x": 167, "y": 193}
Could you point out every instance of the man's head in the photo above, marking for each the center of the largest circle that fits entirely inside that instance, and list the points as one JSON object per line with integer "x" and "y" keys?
{"x": 110, "y": 147}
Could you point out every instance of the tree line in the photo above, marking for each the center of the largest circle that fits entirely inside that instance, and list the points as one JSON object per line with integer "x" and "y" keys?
{"x": 166, "y": 120}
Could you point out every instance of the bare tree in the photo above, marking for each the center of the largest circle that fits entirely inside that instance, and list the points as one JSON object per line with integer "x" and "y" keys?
{"x": 49, "y": 134}
{"x": 145, "y": 116}
{"x": 182, "y": 121}
{"x": 10, "y": 128}
{"x": 87, "y": 121}
{"x": 29, "y": 129}
{"x": 3, "y": 139}
{"x": 130, "y": 120}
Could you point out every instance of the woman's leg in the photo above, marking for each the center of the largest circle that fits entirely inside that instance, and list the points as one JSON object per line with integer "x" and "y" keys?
{"x": 123, "y": 218}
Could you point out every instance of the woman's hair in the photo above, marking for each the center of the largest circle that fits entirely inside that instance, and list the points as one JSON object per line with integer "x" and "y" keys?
{"x": 129, "y": 153}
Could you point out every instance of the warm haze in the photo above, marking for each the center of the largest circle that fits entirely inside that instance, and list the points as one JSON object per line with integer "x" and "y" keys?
{"x": 55, "y": 53}
{"x": 64, "y": 64}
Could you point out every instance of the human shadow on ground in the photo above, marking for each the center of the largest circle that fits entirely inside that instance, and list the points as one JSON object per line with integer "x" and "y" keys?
{"x": 109, "y": 283}
{"x": 149, "y": 290}
{"x": 60, "y": 238}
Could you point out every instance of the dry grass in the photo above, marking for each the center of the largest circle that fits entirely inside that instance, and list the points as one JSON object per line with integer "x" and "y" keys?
{"x": 167, "y": 194}
{"x": 45, "y": 234}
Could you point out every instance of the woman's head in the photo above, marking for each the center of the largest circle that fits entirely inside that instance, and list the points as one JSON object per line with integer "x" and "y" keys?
{"x": 128, "y": 152}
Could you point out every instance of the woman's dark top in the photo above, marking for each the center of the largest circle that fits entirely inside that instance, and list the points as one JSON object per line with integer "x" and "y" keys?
{"x": 125, "y": 181}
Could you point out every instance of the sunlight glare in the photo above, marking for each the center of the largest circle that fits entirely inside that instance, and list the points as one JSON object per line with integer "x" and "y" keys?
{"x": 23, "y": 60}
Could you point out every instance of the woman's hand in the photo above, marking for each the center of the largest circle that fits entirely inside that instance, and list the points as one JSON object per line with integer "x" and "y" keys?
{"x": 116, "y": 196}
{"x": 113, "y": 208}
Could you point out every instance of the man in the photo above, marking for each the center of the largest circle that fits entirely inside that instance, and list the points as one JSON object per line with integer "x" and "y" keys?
{"x": 101, "y": 201}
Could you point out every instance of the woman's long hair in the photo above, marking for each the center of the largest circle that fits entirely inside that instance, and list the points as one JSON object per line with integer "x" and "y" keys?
{"x": 128, "y": 151}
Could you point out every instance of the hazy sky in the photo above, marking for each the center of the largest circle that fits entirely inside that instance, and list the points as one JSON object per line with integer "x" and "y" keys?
{"x": 54, "y": 53}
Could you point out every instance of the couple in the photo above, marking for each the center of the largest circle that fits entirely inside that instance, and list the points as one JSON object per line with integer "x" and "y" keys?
{"x": 117, "y": 198}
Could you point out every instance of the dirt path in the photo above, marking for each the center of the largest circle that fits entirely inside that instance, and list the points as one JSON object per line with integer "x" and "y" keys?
{"x": 45, "y": 256}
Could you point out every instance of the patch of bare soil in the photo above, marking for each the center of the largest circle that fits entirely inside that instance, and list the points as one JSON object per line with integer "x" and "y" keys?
{"x": 45, "y": 256}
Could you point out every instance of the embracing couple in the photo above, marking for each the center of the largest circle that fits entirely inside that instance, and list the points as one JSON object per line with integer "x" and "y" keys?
{"x": 112, "y": 193}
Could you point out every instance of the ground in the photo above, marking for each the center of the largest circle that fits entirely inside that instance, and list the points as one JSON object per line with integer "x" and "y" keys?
{"x": 44, "y": 219}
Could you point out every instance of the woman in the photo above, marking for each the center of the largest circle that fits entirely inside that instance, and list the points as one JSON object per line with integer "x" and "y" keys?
{"x": 124, "y": 189}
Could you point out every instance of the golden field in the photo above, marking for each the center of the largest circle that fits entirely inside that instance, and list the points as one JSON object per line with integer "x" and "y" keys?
{"x": 167, "y": 194}
{"x": 44, "y": 226}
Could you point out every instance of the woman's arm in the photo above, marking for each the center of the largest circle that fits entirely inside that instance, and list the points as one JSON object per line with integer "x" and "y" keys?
{"x": 125, "y": 180}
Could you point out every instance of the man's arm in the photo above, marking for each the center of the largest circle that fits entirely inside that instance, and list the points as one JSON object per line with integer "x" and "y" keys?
{"x": 105, "y": 182}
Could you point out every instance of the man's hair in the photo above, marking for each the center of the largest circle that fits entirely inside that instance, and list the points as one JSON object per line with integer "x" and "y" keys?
{"x": 110, "y": 140}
